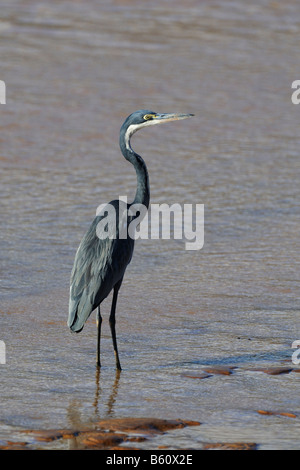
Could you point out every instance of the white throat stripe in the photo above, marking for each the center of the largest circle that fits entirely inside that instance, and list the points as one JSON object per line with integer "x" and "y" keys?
{"x": 135, "y": 127}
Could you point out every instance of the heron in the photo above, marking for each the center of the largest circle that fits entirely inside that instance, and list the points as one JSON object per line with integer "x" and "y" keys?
{"x": 101, "y": 261}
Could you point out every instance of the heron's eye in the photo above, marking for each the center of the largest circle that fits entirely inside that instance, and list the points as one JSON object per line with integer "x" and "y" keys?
{"x": 148, "y": 116}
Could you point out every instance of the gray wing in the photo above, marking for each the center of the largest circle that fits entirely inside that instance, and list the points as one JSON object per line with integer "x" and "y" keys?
{"x": 99, "y": 264}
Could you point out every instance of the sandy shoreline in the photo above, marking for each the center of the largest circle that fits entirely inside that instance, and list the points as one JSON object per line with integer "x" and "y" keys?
{"x": 114, "y": 434}
{"x": 132, "y": 433}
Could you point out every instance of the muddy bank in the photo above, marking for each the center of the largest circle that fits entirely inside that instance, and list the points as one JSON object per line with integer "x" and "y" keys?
{"x": 115, "y": 434}
{"x": 142, "y": 433}
{"x": 109, "y": 434}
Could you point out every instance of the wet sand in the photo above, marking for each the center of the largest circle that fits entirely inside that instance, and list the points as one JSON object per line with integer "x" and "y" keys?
{"x": 138, "y": 433}
{"x": 115, "y": 434}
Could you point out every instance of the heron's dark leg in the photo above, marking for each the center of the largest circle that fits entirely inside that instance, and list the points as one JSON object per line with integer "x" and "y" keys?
{"x": 112, "y": 322}
{"x": 99, "y": 322}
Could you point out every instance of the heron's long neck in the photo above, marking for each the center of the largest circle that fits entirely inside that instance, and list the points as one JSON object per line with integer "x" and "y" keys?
{"x": 142, "y": 195}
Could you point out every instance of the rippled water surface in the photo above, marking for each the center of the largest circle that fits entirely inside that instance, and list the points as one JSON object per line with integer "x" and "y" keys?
{"x": 73, "y": 72}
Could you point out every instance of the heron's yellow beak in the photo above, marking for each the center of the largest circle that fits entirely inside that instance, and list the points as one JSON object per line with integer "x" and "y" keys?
{"x": 170, "y": 117}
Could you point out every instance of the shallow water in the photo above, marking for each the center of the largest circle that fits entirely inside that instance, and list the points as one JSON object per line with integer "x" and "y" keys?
{"x": 74, "y": 71}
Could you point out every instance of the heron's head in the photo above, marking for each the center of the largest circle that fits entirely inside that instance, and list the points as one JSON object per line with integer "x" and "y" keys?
{"x": 143, "y": 118}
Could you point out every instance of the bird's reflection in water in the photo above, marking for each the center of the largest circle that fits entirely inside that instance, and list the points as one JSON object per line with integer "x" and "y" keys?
{"x": 112, "y": 396}
{"x": 78, "y": 421}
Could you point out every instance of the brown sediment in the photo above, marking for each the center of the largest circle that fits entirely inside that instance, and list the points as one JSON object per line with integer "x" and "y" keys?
{"x": 210, "y": 371}
{"x": 265, "y": 412}
{"x": 203, "y": 375}
{"x": 144, "y": 425}
{"x": 9, "y": 445}
{"x": 103, "y": 439}
{"x": 289, "y": 415}
{"x": 275, "y": 370}
{"x": 119, "y": 433}
{"x": 277, "y": 413}
{"x": 108, "y": 440}
{"x": 223, "y": 370}
{"x": 230, "y": 446}
{"x": 52, "y": 434}
{"x": 105, "y": 434}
